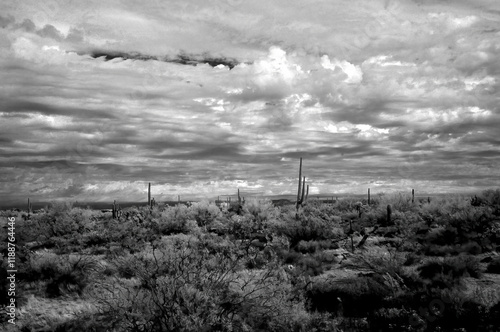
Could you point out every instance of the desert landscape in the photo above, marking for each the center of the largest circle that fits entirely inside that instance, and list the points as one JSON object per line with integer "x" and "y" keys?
{"x": 236, "y": 165}
{"x": 385, "y": 263}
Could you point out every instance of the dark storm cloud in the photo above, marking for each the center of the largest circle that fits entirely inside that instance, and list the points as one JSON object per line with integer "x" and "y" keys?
{"x": 181, "y": 58}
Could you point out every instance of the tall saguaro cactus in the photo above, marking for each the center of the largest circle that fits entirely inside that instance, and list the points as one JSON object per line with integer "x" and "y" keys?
{"x": 413, "y": 195}
{"x": 300, "y": 179}
{"x": 302, "y": 195}
{"x": 368, "y": 196}
{"x": 149, "y": 194}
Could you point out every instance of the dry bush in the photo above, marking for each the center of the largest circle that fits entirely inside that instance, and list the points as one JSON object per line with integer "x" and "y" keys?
{"x": 178, "y": 219}
{"x": 204, "y": 213}
{"x": 186, "y": 284}
{"x": 62, "y": 274}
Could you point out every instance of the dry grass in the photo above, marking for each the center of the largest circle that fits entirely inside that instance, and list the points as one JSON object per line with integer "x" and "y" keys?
{"x": 42, "y": 313}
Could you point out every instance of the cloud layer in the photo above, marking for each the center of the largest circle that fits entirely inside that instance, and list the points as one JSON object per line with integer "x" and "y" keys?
{"x": 202, "y": 98}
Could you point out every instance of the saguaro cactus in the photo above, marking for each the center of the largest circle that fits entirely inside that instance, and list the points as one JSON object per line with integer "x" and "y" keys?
{"x": 115, "y": 210}
{"x": 368, "y": 196}
{"x": 413, "y": 195}
{"x": 302, "y": 195}
{"x": 300, "y": 183}
{"x": 389, "y": 213}
{"x": 149, "y": 194}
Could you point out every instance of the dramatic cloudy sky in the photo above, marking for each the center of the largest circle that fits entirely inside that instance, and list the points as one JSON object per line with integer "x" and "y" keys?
{"x": 201, "y": 97}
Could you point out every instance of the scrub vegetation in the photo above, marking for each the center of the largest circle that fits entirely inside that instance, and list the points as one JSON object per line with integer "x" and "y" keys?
{"x": 344, "y": 265}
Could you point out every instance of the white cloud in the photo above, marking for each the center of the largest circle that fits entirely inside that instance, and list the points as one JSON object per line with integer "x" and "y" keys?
{"x": 354, "y": 73}
{"x": 276, "y": 69}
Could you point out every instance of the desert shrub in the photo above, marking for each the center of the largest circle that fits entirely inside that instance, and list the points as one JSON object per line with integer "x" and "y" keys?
{"x": 130, "y": 235}
{"x": 125, "y": 266}
{"x": 242, "y": 226}
{"x": 263, "y": 211}
{"x": 95, "y": 238}
{"x": 445, "y": 309}
{"x": 62, "y": 274}
{"x": 442, "y": 236}
{"x": 60, "y": 221}
{"x": 179, "y": 219}
{"x": 355, "y": 297}
{"x": 491, "y": 196}
{"x": 474, "y": 229}
{"x": 383, "y": 260}
{"x": 345, "y": 204}
{"x": 449, "y": 271}
{"x": 291, "y": 257}
{"x": 444, "y": 206}
{"x": 306, "y": 247}
{"x": 494, "y": 266}
{"x": 472, "y": 220}
{"x": 471, "y": 248}
{"x": 454, "y": 312}
{"x": 197, "y": 283}
{"x": 204, "y": 213}
{"x": 308, "y": 227}
{"x": 310, "y": 266}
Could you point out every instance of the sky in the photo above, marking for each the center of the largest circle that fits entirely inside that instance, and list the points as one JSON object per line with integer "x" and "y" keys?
{"x": 202, "y": 97}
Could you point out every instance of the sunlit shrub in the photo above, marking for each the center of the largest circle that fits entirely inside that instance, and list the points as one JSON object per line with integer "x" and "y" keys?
{"x": 204, "y": 213}
{"x": 442, "y": 206}
{"x": 262, "y": 211}
{"x": 60, "y": 220}
{"x": 177, "y": 219}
